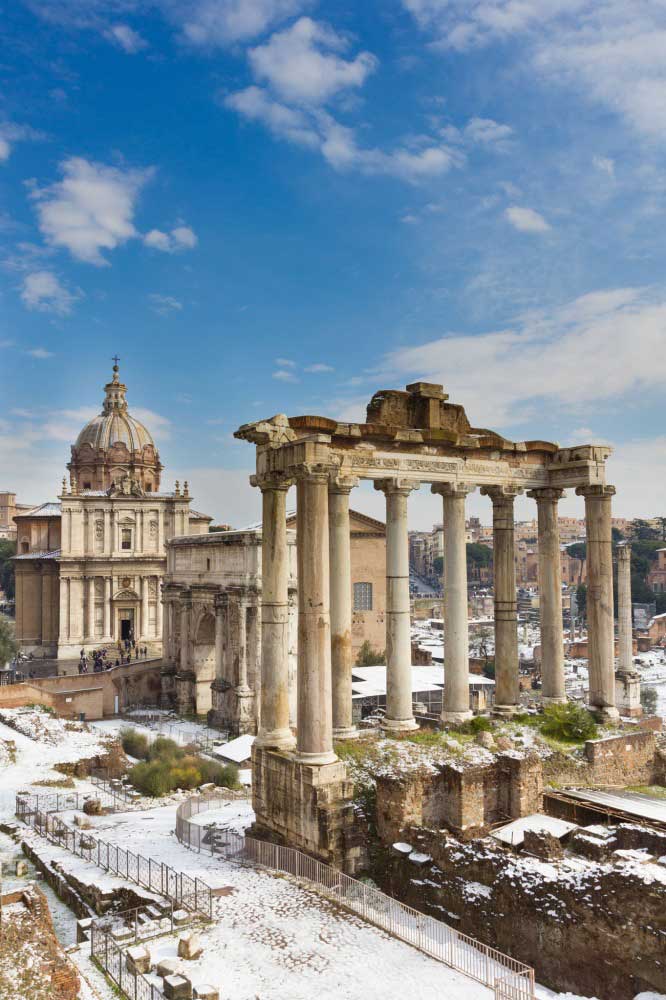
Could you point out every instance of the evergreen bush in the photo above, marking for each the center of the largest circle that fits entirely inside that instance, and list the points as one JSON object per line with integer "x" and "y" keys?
{"x": 568, "y": 721}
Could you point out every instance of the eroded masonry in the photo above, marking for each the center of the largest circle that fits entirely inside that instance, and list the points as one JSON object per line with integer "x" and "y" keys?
{"x": 301, "y": 789}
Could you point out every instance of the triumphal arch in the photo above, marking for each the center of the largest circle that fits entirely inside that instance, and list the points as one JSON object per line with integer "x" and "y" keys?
{"x": 301, "y": 791}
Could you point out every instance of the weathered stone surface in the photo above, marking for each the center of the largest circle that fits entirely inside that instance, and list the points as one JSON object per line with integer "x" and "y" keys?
{"x": 167, "y": 967}
{"x": 138, "y": 959}
{"x": 189, "y": 945}
{"x": 21, "y": 868}
{"x": 205, "y": 992}
{"x": 485, "y": 739}
{"x": 92, "y": 807}
{"x": 542, "y": 844}
{"x": 177, "y": 988}
{"x": 81, "y": 821}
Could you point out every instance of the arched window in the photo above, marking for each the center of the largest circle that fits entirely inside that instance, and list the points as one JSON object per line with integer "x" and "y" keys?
{"x": 25, "y": 546}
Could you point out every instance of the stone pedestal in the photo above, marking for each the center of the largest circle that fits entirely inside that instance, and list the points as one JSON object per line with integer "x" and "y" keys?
{"x": 307, "y": 806}
{"x": 628, "y": 693}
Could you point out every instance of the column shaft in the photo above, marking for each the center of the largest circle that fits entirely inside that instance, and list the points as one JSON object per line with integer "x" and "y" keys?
{"x": 315, "y": 711}
{"x": 506, "y": 614}
{"x": 107, "y": 606}
{"x": 185, "y": 610}
{"x": 600, "y": 620}
{"x": 399, "y": 712}
{"x": 159, "y": 609}
{"x": 241, "y": 680}
{"x": 625, "y": 634}
{"x": 91, "y": 609}
{"x": 220, "y": 636}
{"x": 550, "y": 595}
{"x": 455, "y": 706}
{"x": 144, "y": 607}
{"x": 341, "y": 607}
{"x": 274, "y": 731}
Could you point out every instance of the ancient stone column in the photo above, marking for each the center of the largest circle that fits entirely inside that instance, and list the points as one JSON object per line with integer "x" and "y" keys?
{"x": 341, "y": 605}
{"x": 242, "y": 685}
{"x": 625, "y": 634}
{"x": 399, "y": 712}
{"x": 455, "y": 707}
{"x": 315, "y": 709}
{"x": 506, "y": 614}
{"x": 274, "y": 732}
{"x": 144, "y": 607}
{"x": 107, "y": 606}
{"x": 220, "y": 635}
{"x": 600, "y": 624}
{"x": 91, "y": 609}
{"x": 550, "y": 595}
{"x": 185, "y": 613}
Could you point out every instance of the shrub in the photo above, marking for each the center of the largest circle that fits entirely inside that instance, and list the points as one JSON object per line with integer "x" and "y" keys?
{"x": 185, "y": 776}
{"x": 152, "y": 778}
{"x": 369, "y": 657}
{"x": 223, "y": 775}
{"x": 134, "y": 743}
{"x": 568, "y": 722}
{"x": 165, "y": 749}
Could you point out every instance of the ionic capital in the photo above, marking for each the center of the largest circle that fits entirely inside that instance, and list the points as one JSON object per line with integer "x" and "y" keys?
{"x": 502, "y": 493}
{"x": 595, "y": 491}
{"x": 341, "y": 484}
{"x": 457, "y": 490}
{"x": 272, "y": 481}
{"x": 396, "y": 486}
{"x": 545, "y": 494}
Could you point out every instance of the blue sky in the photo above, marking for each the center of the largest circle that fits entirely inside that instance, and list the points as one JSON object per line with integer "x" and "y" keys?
{"x": 283, "y": 205}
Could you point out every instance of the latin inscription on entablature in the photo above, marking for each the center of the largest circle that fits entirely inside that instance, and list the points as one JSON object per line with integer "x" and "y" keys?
{"x": 359, "y": 462}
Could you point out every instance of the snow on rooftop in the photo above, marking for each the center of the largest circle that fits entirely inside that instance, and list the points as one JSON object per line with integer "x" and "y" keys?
{"x": 514, "y": 833}
{"x": 237, "y": 750}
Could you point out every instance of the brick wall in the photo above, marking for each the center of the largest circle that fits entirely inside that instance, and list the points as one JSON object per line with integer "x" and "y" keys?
{"x": 628, "y": 759}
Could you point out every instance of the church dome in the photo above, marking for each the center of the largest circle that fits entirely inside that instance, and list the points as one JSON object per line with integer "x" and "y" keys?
{"x": 115, "y": 444}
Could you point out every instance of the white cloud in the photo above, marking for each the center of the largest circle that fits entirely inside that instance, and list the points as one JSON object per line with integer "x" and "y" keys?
{"x": 319, "y": 369}
{"x": 588, "y": 351}
{"x": 223, "y": 22}
{"x": 40, "y": 353}
{"x": 488, "y": 132}
{"x": 91, "y": 209}
{"x": 43, "y": 291}
{"x": 611, "y": 52}
{"x": 180, "y": 238}
{"x": 129, "y": 40}
{"x": 303, "y": 65}
{"x": 158, "y": 425}
{"x": 606, "y": 165}
{"x": 285, "y": 376}
{"x": 285, "y": 123}
{"x": 11, "y": 132}
{"x": 165, "y": 305}
{"x": 526, "y": 220}
{"x": 285, "y": 363}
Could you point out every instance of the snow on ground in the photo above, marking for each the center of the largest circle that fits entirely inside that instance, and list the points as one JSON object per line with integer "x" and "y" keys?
{"x": 34, "y": 760}
{"x": 236, "y": 816}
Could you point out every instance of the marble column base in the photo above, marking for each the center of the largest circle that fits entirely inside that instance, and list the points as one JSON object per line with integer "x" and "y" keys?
{"x": 554, "y": 701}
{"x": 277, "y": 739}
{"x": 400, "y": 725}
{"x": 506, "y": 711}
{"x": 456, "y": 717}
{"x": 604, "y": 713}
{"x": 325, "y": 757}
{"x": 348, "y": 733}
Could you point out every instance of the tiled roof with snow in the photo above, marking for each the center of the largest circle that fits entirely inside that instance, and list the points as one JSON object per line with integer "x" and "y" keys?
{"x": 43, "y": 510}
{"x": 53, "y": 554}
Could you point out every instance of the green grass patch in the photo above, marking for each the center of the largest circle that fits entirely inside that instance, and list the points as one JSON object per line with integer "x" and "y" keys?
{"x": 169, "y": 766}
{"x": 654, "y": 791}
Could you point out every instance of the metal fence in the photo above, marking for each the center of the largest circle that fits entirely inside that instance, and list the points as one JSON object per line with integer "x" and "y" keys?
{"x": 191, "y": 893}
{"x": 510, "y": 979}
{"x": 154, "y": 723}
{"x": 120, "y": 793}
{"x": 109, "y": 936}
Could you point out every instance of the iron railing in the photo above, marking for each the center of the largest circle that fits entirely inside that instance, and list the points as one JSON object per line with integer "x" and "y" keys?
{"x": 109, "y": 939}
{"x": 509, "y": 978}
{"x": 192, "y": 894}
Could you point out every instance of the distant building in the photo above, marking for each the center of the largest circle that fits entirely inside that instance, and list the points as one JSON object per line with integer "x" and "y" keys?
{"x": 9, "y": 508}
{"x": 656, "y": 578}
{"x": 89, "y": 568}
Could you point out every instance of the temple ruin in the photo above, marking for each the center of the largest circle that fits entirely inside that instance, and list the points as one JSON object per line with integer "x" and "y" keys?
{"x": 301, "y": 790}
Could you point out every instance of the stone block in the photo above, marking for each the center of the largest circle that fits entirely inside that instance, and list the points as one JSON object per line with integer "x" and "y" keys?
{"x": 177, "y": 988}
{"x": 166, "y": 967}
{"x": 205, "y": 992}
{"x": 189, "y": 945}
{"x": 82, "y": 821}
{"x": 21, "y": 868}
{"x": 138, "y": 959}
{"x": 180, "y": 917}
{"x": 208, "y": 788}
{"x": 92, "y": 807}
{"x": 83, "y": 930}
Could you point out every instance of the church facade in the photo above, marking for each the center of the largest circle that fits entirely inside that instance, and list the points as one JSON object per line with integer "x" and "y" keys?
{"x": 89, "y": 569}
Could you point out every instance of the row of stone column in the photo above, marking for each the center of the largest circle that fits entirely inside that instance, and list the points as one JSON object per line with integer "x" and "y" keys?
{"x": 324, "y": 605}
